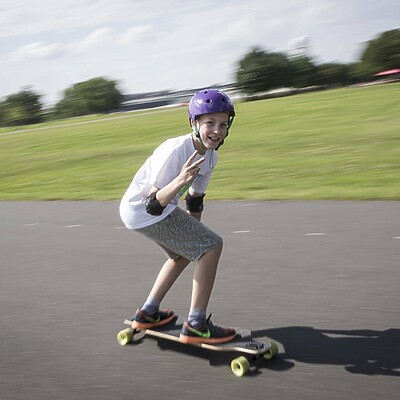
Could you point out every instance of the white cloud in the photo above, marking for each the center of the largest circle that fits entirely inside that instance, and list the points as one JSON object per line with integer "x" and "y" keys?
{"x": 95, "y": 39}
{"x": 41, "y": 51}
{"x": 98, "y": 36}
{"x": 136, "y": 34}
{"x": 36, "y": 51}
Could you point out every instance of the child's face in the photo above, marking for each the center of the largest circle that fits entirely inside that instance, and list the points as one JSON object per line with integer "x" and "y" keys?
{"x": 212, "y": 128}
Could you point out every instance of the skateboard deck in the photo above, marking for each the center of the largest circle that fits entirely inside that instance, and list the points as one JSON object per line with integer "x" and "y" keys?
{"x": 243, "y": 343}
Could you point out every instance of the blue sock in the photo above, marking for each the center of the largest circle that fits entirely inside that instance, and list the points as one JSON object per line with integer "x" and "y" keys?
{"x": 151, "y": 306}
{"x": 197, "y": 317}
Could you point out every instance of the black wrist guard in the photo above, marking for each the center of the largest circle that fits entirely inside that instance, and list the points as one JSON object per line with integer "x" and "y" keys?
{"x": 194, "y": 204}
{"x": 153, "y": 207}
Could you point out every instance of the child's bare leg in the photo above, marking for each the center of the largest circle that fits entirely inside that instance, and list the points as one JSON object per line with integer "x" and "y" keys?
{"x": 204, "y": 278}
{"x": 198, "y": 329}
{"x": 169, "y": 273}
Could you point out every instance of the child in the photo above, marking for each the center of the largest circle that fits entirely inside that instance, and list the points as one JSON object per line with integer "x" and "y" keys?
{"x": 150, "y": 207}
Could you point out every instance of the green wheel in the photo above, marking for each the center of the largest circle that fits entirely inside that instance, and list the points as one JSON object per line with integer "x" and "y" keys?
{"x": 125, "y": 336}
{"x": 240, "y": 366}
{"x": 272, "y": 351}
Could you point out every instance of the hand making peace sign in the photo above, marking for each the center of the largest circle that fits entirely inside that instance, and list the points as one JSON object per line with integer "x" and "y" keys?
{"x": 190, "y": 169}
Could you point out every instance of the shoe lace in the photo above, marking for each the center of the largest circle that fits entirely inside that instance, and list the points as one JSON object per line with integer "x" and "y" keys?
{"x": 208, "y": 321}
{"x": 213, "y": 328}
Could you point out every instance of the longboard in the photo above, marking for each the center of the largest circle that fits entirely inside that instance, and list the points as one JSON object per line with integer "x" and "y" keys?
{"x": 243, "y": 343}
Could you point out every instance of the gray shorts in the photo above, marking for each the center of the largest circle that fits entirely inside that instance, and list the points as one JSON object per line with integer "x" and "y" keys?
{"x": 180, "y": 234}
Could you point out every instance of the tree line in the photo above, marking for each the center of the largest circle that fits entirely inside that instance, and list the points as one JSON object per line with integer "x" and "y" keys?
{"x": 258, "y": 71}
{"x": 97, "y": 95}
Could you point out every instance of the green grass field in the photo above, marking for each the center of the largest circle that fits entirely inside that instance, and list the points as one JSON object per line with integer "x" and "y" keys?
{"x": 337, "y": 144}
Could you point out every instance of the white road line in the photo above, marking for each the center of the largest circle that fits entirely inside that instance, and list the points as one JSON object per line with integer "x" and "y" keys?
{"x": 73, "y": 226}
{"x": 241, "y": 232}
{"x": 315, "y": 234}
{"x": 33, "y": 224}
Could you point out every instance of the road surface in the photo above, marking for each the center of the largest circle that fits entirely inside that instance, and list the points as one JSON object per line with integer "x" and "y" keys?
{"x": 321, "y": 278}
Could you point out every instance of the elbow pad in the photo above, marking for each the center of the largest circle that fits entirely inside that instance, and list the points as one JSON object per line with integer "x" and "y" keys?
{"x": 153, "y": 207}
{"x": 194, "y": 204}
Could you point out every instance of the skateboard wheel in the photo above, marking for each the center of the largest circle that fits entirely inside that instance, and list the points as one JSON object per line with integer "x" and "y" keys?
{"x": 240, "y": 366}
{"x": 272, "y": 351}
{"x": 125, "y": 336}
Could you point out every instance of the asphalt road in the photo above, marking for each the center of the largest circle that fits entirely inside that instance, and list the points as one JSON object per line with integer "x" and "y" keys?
{"x": 320, "y": 278}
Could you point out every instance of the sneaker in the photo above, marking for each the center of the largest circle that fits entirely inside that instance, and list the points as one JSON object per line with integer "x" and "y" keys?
{"x": 143, "y": 321}
{"x": 208, "y": 333}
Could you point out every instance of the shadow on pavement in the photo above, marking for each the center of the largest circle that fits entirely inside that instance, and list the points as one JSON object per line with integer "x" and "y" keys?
{"x": 368, "y": 352}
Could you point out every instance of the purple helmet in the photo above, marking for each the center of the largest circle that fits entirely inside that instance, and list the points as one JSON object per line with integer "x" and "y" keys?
{"x": 210, "y": 101}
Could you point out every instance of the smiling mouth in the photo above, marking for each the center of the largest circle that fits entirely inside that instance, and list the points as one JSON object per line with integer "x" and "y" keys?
{"x": 214, "y": 139}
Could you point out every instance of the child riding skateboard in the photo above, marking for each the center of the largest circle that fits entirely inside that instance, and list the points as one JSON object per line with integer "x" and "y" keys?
{"x": 150, "y": 207}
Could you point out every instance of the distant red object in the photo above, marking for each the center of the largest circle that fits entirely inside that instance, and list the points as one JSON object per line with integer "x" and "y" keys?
{"x": 388, "y": 72}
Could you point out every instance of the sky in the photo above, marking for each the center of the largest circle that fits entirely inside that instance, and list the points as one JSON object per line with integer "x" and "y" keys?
{"x": 151, "y": 45}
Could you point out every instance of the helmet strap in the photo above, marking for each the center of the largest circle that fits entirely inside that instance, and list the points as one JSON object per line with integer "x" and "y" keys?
{"x": 197, "y": 133}
{"x": 230, "y": 122}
